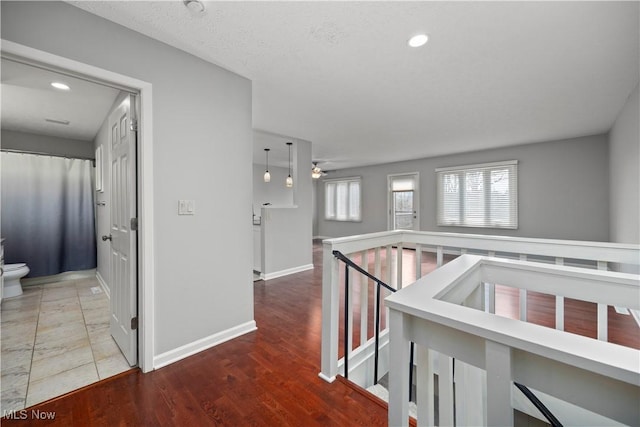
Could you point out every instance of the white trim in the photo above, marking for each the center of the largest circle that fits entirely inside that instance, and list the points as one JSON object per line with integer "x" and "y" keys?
{"x": 478, "y": 166}
{"x": 416, "y": 199}
{"x": 146, "y": 282}
{"x": 346, "y": 178}
{"x": 322, "y": 237}
{"x": 60, "y": 277}
{"x": 103, "y": 284}
{"x": 276, "y": 274}
{"x": 202, "y": 344}
{"x": 326, "y": 378}
{"x": 636, "y": 316}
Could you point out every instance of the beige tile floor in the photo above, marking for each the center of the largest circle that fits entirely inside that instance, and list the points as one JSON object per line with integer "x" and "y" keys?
{"x": 55, "y": 339}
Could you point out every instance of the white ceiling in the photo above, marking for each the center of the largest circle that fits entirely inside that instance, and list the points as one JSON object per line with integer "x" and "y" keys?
{"x": 28, "y": 99}
{"x": 341, "y": 75}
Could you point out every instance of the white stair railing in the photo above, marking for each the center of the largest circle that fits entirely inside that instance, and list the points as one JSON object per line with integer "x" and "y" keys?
{"x": 387, "y": 248}
{"x": 582, "y": 380}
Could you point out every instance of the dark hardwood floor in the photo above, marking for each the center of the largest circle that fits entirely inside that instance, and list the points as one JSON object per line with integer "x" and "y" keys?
{"x": 266, "y": 378}
{"x": 269, "y": 377}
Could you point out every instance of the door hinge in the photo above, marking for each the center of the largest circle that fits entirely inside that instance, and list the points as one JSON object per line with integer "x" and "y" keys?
{"x": 134, "y": 125}
{"x": 134, "y": 224}
{"x": 134, "y": 323}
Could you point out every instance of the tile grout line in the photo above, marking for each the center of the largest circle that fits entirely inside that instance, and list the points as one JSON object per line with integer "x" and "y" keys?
{"x": 33, "y": 346}
{"x": 86, "y": 328}
{"x": 39, "y": 311}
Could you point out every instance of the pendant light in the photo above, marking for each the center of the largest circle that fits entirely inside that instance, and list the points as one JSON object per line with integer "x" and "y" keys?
{"x": 289, "y": 181}
{"x": 267, "y": 175}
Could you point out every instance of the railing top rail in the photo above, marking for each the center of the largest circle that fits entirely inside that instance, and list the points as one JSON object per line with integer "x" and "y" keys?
{"x": 576, "y": 249}
{"x": 420, "y": 300}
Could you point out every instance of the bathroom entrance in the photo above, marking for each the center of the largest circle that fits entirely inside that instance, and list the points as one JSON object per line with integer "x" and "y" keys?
{"x": 53, "y": 300}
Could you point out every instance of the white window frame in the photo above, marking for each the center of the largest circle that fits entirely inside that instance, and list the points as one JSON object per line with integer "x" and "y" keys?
{"x": 333, "y": 215}
{"x": 464, "y": 220}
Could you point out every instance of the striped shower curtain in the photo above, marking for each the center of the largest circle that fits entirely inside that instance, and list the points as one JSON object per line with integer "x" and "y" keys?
{"x": 47, "y": 213}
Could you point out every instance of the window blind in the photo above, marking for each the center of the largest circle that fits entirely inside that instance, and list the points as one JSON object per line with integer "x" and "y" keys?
{"x": 484, "y": 195}
{"x": 343, "y": 199}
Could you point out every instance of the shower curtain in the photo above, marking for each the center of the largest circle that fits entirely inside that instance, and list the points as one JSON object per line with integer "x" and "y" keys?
{"x": 47, "y": 213}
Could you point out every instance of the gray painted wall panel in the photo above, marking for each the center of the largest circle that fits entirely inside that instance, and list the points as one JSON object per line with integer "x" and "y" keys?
{"x": 563, "y": 190}
{"x": 201, "y": 119}
{"x": 624, "y": 142}
{"x": 24, "y": 141}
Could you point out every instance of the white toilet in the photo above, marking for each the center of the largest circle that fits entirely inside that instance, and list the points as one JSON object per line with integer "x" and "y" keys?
{"x": 12, "y": 275}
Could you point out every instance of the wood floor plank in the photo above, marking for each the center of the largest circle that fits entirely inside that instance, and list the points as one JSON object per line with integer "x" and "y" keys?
{"x": 270, "y": 377}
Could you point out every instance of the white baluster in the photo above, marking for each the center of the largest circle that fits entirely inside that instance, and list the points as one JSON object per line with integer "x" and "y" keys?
{"x": 523, "y": 297}
{"x": 559, "y": 304}
{"x": 364, "y": 298}
{"x": 425, "y": 390}
{"x": 470, "y": 389}
{"x": 399, "y": 264}
{"x": 445, "y": 390}
{"x": 603, "y": 321}
{"x": 490, "y": 298}
{"x": 378, "y": 274}
{"x": 498, "y": 367}
{"x": 398, "y": 372}
{"x": 350, "y": 308}
{"x": 389, "y": 265}
{"x": 418, "y": 261}
{"x": 330, "y": 316}
{"x": 439, "y": 256}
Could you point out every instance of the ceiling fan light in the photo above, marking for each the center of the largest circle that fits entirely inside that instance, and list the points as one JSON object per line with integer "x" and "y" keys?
{"x": 316, "y": 172}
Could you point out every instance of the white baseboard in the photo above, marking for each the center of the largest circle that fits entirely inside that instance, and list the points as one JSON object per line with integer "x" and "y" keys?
{"x": 67, "y": 275}
{"x": 322, "y": 237}
{"x": 326, "y": 378}
{"x": 103, "y": 284}
{"x": 190, "y": 349}
{"x": 276, "y": 274}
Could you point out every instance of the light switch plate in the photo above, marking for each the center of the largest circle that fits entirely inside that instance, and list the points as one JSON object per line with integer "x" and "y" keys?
{"x": 186, "y": 207}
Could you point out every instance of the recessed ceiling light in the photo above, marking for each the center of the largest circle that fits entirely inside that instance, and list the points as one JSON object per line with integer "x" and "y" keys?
{"x": 195, "y": 6}
{"x": 418, "y": 40}
{"x": 60, "y": 86}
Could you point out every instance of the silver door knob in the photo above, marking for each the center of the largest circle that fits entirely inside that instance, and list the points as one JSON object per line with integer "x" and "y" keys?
{"x": 105, "y": 238}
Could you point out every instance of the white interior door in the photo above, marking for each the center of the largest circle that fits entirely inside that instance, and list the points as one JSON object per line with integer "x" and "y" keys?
{"x": 123, "y": 237}
{"x": 404, "y": 202}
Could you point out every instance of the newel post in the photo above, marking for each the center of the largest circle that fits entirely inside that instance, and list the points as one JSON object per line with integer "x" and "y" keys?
{"x": 330, "y": 307}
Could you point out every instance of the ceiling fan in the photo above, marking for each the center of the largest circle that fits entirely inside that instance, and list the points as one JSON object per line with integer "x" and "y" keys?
{"x": 316, "y": 171}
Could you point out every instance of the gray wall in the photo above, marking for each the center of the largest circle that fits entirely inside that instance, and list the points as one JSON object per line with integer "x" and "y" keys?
{"x": 274, "y": 192}
{"x": 287, "y": 232}
{"x": 624, "y": 176}
{"x": 201, "y": 117}
{"x": 47, "y": 144}
{"x": 563, "y": 191}
{"x": 624, "y": 161}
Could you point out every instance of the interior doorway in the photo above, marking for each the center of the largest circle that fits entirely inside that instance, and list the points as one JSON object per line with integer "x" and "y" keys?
{"x": 141, "y": 248}
{"x": 404, "y": 201}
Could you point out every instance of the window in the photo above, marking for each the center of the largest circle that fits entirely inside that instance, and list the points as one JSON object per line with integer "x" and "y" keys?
{"x": 342, "y": 199}
{"x": 479, "y": 195}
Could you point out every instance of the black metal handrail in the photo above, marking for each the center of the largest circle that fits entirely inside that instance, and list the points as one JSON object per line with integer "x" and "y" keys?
{"x": 350, "y": 264}
{"x": 539, "y": 405}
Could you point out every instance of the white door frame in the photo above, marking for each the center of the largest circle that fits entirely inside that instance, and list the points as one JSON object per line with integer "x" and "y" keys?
{"x": 416, "y": 198}
{"x": 146, "y": 258}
